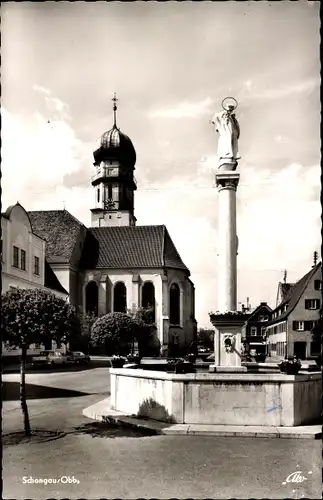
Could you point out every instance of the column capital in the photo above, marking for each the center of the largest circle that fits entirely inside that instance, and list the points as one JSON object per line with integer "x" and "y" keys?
{"x": 227, "y": 180}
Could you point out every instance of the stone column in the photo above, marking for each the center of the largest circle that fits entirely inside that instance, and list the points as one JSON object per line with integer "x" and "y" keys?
{"x": 135, "y": 292}
{"x": 165, "y": 315}
{"x": 102, "y": 305}
{"x": 227, "y": 182}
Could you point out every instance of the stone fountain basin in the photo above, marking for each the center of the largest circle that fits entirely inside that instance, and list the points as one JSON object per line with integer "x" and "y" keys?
{"x": 266, "y": 399}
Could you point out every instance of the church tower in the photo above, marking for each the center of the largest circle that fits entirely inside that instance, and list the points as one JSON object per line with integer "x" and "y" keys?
{"x": 114, "y": 182}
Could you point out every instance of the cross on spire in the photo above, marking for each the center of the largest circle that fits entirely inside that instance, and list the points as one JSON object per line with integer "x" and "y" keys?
{"x": 315, "y": 257}
{"x": 114, "y": 100}
{"x": 285, "y": 276}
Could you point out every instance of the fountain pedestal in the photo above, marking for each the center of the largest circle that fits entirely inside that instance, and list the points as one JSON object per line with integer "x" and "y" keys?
{"x": 227, "y": 343}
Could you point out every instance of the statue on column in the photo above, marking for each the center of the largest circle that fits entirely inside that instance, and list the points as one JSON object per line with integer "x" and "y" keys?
{"x": 227, "y": 126}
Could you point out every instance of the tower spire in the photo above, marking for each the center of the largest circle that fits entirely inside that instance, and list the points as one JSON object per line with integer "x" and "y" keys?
{"x": 114, "y": 100}
{"x": 285, "y": 276}
{"x": 315, "y": 256}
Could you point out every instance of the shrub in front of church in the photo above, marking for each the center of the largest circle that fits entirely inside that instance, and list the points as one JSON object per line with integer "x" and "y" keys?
{"x": 145, "y": 334}
{"x": 35, "y": 316}
{"x": 115, "y": 331}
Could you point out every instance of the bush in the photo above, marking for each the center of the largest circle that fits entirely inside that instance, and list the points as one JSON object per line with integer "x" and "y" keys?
{"x": 116, "y": 331}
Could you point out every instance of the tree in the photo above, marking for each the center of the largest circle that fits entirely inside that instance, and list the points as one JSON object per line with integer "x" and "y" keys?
{"x": 116, "y": 331}
{"x": 82, "y": 340}
{"x": 145, "y": 331}
{"x": 31, "y": 316}
{"x": 206, "y": 336}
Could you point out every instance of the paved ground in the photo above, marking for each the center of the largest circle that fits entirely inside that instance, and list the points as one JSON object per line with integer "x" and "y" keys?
{"x": 120, "y": 463}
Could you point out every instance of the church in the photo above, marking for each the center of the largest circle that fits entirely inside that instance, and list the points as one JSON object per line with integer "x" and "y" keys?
{"x": 115, "y": 265}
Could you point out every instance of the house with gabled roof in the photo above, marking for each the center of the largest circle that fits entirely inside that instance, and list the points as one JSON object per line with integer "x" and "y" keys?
{"x": 115, "y": 265}
{"x": 289, "y": 330}
{"x": 23, "y": 262}
{"x": 254, "y": 330}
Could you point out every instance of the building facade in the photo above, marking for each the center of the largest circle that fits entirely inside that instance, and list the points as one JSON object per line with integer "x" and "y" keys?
{"x": 289, "y": 330}
{"x": 23, "y": 255}
{"x": 255, "y": 329}
{"x": 115, "y": 265}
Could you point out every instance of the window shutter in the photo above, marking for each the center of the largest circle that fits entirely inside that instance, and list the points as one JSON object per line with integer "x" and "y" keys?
{"x": 307, "y": 325}
{"x": 295, "y": 325}
{"x": 306, "y": 304}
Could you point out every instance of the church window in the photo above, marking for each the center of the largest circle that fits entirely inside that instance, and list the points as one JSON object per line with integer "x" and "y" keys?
{"x": 91, "y": 298}
{"x": 120, "y": 298}
{"x": 174, "y": 304}
{"x": 148, "y": 300}
{"x": 98, "y": 194}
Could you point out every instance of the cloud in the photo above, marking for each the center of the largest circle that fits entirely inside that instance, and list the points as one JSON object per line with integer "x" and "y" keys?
{"x": 36, "y": 156}
{"x": 53, "y": 104}
{"x": 41, "y": 89}
{"x": 307, "y": 86}
{"x": 185, "y": 109}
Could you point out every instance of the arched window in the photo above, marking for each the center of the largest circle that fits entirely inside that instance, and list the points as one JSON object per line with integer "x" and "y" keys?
{"x": 120, "y": 298}
{"x": 148, "y": 300}
{"x": 174, "y": 304}
{"x": 91, "y": 297}
{"x": 98, "y": 194}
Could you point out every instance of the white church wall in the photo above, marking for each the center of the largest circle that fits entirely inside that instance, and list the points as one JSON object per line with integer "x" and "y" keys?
{"x": 186, "y": 330}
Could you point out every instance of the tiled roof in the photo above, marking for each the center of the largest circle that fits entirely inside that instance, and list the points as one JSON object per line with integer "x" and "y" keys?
{"x": 105, "y": 247}
{"x": 51, "y": 280}
{"x": 294, "y": 294}
{"x": 60, "y": 230}
{"x": 131, "y": 247}
{"x": 285, "y": 288}
{"x": 258, "y": 309}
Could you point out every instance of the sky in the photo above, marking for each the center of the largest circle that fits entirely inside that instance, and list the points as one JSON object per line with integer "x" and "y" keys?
{"x": 171, "y": 65}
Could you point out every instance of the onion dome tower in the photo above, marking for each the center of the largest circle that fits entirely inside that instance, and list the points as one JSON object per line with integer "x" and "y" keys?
{"x": 114, "y": 182}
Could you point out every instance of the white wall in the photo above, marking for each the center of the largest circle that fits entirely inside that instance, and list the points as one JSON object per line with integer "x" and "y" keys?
{"x": 17, "y": 231}
{"x": 134, "y": 281}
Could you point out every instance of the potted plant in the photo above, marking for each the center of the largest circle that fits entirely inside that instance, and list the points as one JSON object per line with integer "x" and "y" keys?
{"x": 260, "y": 357}
{"x": 118, "y": 361}
{"x": 290, "y": 366}
{"x": 191, "y": 358}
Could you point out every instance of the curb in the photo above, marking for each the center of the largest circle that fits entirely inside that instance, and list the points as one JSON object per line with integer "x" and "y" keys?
{"x": 155, "y": 427}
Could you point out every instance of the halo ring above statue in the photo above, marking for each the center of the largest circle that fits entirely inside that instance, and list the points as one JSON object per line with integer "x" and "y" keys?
{"x": 229, "y": 104}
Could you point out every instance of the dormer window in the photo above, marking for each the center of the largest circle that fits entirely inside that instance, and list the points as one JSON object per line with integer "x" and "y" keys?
{"x": 317, "y": 285}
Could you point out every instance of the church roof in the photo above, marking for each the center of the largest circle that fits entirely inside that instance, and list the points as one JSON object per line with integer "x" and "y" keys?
{"x": 60, "y": 230}
{"x": 121, "y": 247}
{"x": 127, "y": 247}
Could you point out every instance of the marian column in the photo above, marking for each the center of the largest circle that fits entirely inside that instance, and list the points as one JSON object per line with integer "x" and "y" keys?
{"x": 227, "y": 321}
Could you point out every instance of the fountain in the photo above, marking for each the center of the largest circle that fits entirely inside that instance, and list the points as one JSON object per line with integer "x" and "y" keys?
{"x": 228, "y": 394}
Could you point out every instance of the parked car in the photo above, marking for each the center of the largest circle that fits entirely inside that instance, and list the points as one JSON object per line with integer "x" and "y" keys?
{"x": 78, "y": 357}
{"x": 46, "y": 358}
